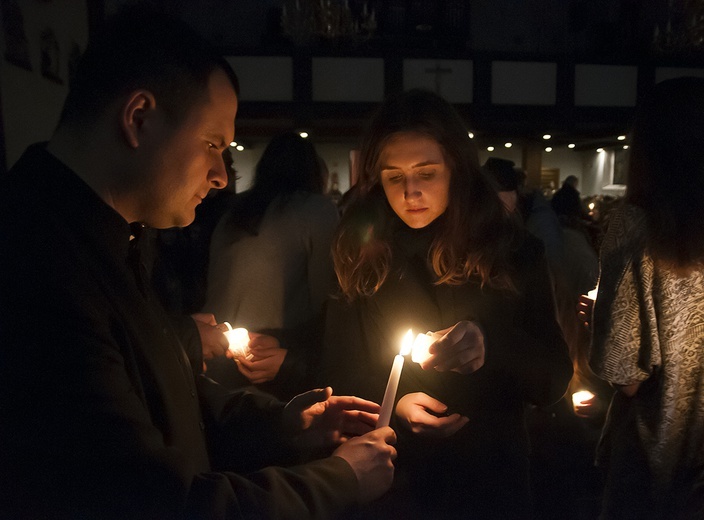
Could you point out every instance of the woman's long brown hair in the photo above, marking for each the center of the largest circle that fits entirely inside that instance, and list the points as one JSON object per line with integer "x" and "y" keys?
{"x": 666, "y": 171}
{"x": 474, "y": 236}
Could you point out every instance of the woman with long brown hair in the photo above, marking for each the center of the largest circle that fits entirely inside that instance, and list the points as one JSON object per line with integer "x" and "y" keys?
{"x": 648, "y": 321}
{"x": 426, "y": 245}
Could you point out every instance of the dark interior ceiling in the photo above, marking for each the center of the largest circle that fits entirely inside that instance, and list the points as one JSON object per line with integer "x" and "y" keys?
{"x": 625, "y": 32}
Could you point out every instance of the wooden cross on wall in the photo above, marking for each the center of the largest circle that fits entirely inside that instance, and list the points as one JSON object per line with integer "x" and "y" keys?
{"x": 438, "y": 71}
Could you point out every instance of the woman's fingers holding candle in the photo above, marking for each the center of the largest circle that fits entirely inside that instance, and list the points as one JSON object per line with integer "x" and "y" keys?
{"x": 460, "y": 350}
{"x": 260, "y": 368}
{"x": 425, "y": 415}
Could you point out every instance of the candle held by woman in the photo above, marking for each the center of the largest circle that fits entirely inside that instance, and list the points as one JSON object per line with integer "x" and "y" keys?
{"x": 387, "y": 405}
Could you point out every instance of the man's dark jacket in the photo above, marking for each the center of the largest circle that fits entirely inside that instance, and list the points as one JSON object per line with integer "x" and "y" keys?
{"x": 101, "y": 415}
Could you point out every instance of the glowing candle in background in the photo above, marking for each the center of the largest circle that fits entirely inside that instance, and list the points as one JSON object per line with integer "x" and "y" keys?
{"x": 387, "y": 405}
{"x": 238, "y": 339}
{"x": 421, "y": 344}
{"x": 581, "y": 399}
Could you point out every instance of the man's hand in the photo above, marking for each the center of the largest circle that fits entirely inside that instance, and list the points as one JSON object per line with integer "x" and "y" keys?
{"x": 265, "y": 359}
{"x": 425, "y": 416}
{"x": 461, "y": 349}
{"x": 320, "y": 420}
{"x": 213, "y": 341}
{"x": 371, "y": 457}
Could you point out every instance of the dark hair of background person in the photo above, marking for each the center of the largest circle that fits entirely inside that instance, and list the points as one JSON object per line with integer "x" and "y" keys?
{"x": 473, "y": 237}
{"x": 141, "y": 49}
{"x": 289, "y": 164}
{"x": 666, "y": 170}
{"x": 501, "y": 173}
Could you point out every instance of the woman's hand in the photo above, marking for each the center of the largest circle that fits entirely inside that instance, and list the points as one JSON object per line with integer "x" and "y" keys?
{"x": 424, "y": 416}
{"x": 264, "y": 359}
{"x": 460, "y": 349}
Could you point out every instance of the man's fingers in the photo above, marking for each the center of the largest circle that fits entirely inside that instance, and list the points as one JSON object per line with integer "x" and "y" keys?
{"x": 347, "y": 402}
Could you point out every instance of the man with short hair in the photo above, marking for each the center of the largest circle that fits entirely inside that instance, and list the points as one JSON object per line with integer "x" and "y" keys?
{"x": 103, "y": 410}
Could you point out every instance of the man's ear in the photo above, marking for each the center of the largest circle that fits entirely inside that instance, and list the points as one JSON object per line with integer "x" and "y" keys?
{"x": 136, "y": 110}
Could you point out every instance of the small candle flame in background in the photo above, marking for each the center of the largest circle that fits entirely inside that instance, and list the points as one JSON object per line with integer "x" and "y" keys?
{"x": 238, "y": 339}
{"x": 581, "y": 396}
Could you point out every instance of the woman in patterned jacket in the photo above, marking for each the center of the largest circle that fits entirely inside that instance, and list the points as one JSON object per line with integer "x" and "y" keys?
{"x": 649, "y": 316}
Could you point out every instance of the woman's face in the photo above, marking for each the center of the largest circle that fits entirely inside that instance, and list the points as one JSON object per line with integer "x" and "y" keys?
{"x": 415, "y": 178}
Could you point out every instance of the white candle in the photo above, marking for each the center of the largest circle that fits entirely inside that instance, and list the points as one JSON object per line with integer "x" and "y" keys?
{"x": 387, "y": 405}
{"x": 421, "y": 345}
{"x": 238, "y": 339}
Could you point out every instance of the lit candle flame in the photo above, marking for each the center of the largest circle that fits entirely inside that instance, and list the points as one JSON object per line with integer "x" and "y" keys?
{"x": 581, "y": 397}
{"x": 238, "y": 339}
{"x": 407, "y": 343}
{"x": 421, "y": 346}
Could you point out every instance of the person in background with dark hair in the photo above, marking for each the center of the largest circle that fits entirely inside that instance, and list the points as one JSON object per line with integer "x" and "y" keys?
{"x": 103, "y": 410}
{"x": 180, "y": 255}
{"x": 648, "y": 333}
{"x": 530, "y": 205}
{"x": 566, "y": 201}
{"x": 562, "y": 435}
{"x": 426, "y": 245}
{"x": 271, "y": 268}
{"x": 504, "y": 178}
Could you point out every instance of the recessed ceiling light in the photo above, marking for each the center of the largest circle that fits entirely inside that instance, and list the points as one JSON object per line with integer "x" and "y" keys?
{"x": 547, "y": 136}
{"x": 548, "y": 149}
{"x": 621, "y": 138}
{"x": 471, "y": 135}
{"x": 625, "y": 147}
{"x": 489, "y": 148}
{"x": 571, "y": 145}
{"x": 508, "y": 145}
{"x": 239, "y": 147}
{"x": 600, "y": 150}
{"x": 233, "y": 143}
{"x": 304, "y": 135}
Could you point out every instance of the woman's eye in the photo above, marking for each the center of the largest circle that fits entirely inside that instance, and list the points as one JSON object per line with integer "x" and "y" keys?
{"x": 426, "y": 175}
{"x": 394, "y": 179}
